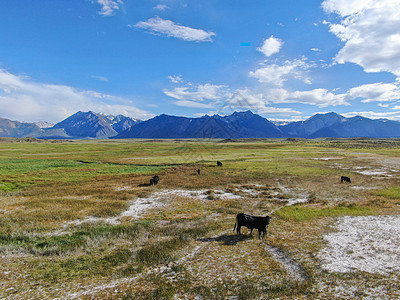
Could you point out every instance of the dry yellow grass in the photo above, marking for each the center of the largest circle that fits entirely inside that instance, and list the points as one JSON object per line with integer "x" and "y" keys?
{"x": 185, "y": 247}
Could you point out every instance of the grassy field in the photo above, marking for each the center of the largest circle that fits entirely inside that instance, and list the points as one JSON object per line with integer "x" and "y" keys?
{"x": 64, "y": 233}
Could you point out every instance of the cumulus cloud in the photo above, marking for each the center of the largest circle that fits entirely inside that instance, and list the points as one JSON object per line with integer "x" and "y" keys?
{"x": 370, "y": 30}
{"x": 270, "y": 46}
{"x": 26, "y": 100}
{"x": 278, "y": 74}
{"x": 246, "y": 99}
{"x": 168, "y": 28}
{"x": 318, "y": 97}
{"x": 222, "y": 99}
{"x": 200, "y": 92}
{"x": 109, "y": 7}
{"x": 380, "y": 92}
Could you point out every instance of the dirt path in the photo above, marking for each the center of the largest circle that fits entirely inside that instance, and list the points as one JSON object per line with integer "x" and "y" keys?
{"x": 294, "y": 269}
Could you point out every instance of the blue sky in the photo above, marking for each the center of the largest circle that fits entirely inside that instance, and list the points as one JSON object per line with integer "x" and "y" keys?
{"x": 285, "y": 60}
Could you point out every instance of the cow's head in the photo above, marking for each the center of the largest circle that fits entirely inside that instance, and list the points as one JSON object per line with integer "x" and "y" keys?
{"x": 267, "y": 219}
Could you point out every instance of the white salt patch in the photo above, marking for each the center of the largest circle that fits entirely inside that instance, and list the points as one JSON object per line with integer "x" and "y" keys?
{"x": 201, "y": 194}
{"x": 225, "y": 195}
{"x": 294, "y": 201}
{"x": 339, "y": 166}
{"x": 251, "y": 192}
{"x": 135, "y": 210}
{"x": 362, "y": 188}
{"x": 327, "y": 158}
{"x": 370, "y": 244}
{"x": 374, "y": 172}
{"x": 141, "y": 205}
{"x": 123, "y": 188}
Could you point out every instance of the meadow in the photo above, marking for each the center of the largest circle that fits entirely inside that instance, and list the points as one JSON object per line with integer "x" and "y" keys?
{"x": 69, "y": 227}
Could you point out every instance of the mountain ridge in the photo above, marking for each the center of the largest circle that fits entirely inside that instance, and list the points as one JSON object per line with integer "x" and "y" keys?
{"x": 243, "y": 124}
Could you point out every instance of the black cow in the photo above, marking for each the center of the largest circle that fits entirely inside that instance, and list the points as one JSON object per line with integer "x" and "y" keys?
{"x": 251, "y": 222}
{"x": 154, "y": 180}
{"x": 345, "y": 179}
{"x": 219, "y": 164}
{"x": 198, "y": 171}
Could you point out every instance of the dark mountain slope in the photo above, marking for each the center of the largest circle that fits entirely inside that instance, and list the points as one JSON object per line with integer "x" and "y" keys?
{"x": 237, "y": 125}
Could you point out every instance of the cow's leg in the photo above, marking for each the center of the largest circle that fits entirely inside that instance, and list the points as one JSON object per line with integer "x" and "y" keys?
{"x": 251, "y": 231}
{"x": 238, "y": 229}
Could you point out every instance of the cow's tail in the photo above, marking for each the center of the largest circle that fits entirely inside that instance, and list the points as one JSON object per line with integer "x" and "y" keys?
{"x": 234, "y": 227}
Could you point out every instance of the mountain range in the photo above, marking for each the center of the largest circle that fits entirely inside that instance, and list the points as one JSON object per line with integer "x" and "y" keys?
{"x": 91, "y": 125}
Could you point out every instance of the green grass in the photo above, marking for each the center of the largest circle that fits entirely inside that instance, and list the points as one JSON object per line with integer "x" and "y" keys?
{"x": 392, "y": 193}
{"x": 158, "y": 253}
{"x": 12, "y": 186}
{"x": 304, "y": 213}
{"x": 60, "y": 244}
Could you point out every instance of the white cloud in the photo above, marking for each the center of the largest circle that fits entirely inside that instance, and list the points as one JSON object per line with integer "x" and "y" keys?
{"x": 395, "y": 115}
{"x": 270, "y": 46}
{"x": 25, "y": 100}
{"x": 168, "y": 28}
{"x": 245, "y": 99}
{"x": 199, "y": 93}
{"x": 161, "y": 7}
{"x": 108, "y": 7}
{"x": 222, "y": 99}
{"x": 381, "y": 92}
{"x": 370, "y": 30}
{"x": 278, "y": 74}
{"x": 319, "y": 97}
{"x": 176, "y": 78}
{"x": 346, "y": 7}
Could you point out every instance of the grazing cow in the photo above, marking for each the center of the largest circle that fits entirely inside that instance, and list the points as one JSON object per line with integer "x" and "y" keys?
{"x": 219, "y": 164}
{"x": 345, "y": 179}
{"x": 198, "y": 171}
{"x": 154, "y": 180}
{"x": 251, "y": 222}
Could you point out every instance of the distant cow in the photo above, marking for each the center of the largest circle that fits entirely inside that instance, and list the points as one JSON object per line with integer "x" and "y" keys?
{"x": 198, "y": 171}
{"x": 219, "y": 164}
{"x": 154, "y": 180}
{"x": 345, "y": 179}
{"x": 251, "y": 222}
